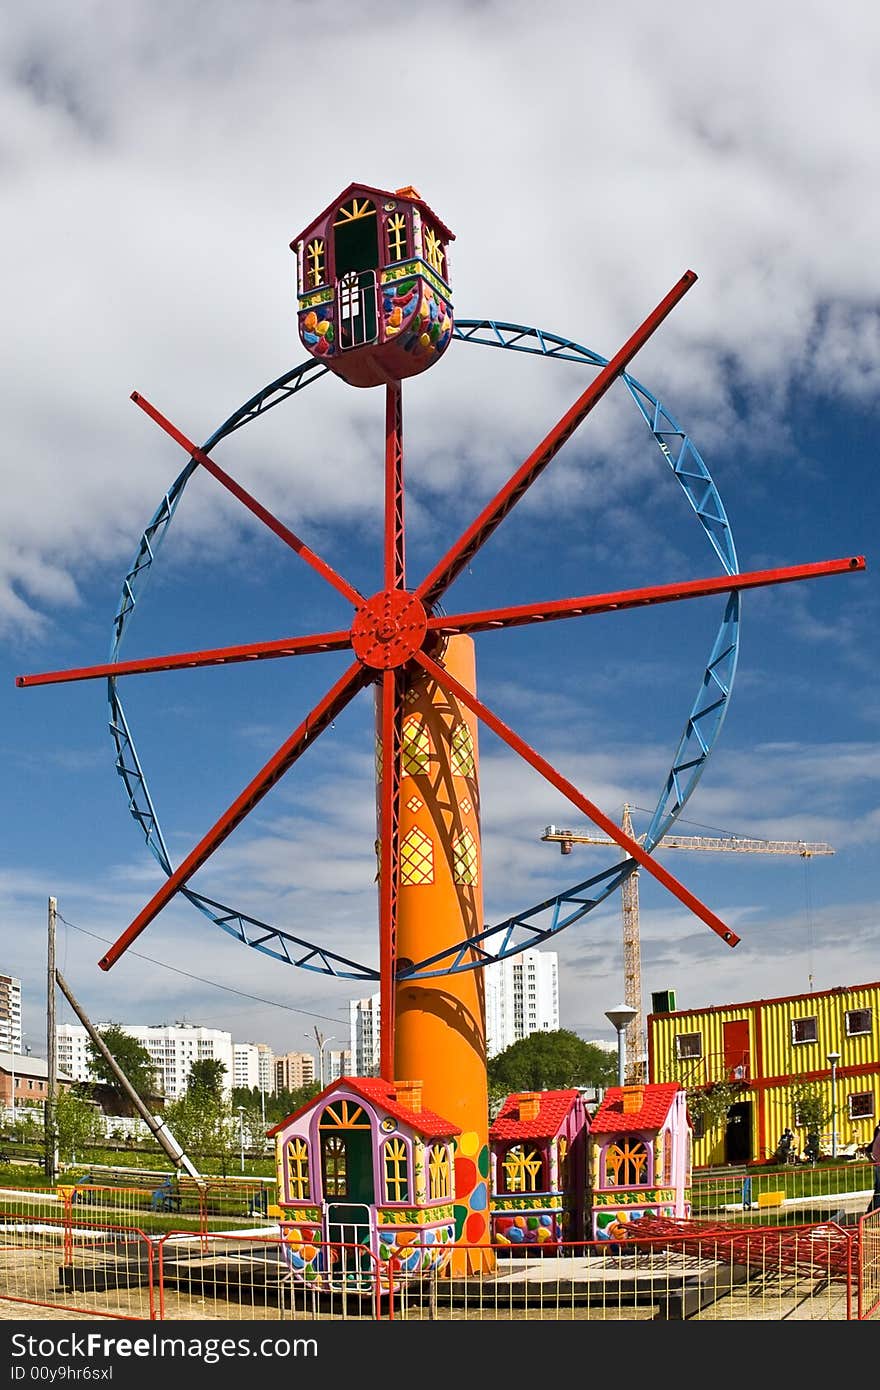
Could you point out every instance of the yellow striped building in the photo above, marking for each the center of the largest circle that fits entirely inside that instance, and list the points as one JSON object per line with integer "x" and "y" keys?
{"x": 763, "y": 1050}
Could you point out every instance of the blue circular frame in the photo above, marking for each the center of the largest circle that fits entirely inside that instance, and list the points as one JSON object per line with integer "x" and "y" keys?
{"x": 703, "y": 725}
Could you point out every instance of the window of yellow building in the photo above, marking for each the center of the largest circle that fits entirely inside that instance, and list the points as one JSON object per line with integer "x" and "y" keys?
{"x": 804, "y": 1030}
{"x": 860, "y": 1105}
{"x": 857, "y": 1022}
{"x": 689, "y": 1046}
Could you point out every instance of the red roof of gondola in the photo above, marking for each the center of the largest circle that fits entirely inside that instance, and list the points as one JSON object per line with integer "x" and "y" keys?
{"x": 656, "y": 1101}
{"x": 381, "y": 1093}
{"x": 409, "y": 195}
{"x": 553, "y": 1107}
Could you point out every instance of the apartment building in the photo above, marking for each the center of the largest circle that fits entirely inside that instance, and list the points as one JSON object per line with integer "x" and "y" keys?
{"x": 364, "y": 1019}
{"x": 253, "y": 1067}
{"x": 522, "y": 997}
{"x": 172, "y": 1047}
{"x": 293, "y": 1070}
{"x": 10, "y": 1014}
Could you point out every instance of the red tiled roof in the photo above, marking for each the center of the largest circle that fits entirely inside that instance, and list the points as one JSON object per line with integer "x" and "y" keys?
{"x": 554, "y": 1107}
{"x": 381, "y": 1093}
{"x": 657, "y": 1099}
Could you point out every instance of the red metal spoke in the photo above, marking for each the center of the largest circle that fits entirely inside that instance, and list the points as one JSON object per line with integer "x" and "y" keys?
{"x": 339, "y": 695}
{"x": 211, "y": 656}
{"x": 389, "y": 860}
{"x": 283, "y": 532}
{"x": 462, "y": 552}
{"x": 517, "y": 616}
{"x": 632, "y": 848}
{"x": 395, "y": 556}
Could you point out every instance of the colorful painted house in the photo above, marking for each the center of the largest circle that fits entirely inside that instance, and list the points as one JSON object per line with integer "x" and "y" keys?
{"x": 538, "y": 1146}
{"x": 373, "y": 293}
{"x": 364, "y": 1169}
{"x": 640, "y": 1164}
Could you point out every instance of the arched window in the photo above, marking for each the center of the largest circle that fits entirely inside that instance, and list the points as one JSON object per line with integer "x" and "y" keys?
{"x": 462, "y": 751}
{"x": 316, "y": 262}
{"x": 416, "y": 750}
{"x": 523, "y": 1169}
{"x": 416, "y": 858}
{"x": 298, "y": 1170}
{"x": 434, "y": 250}
{"x": 335, "y": 1158}
{"x": 396, "y": 239}
{"x": 356, "y": 256}
{"x": 395, "y": 1162}
{"x": 626, "y": 1163}
{"x": 438, "y": 1172}
{"x": 337, "y": 1119}
{"x": 464, "y": 858}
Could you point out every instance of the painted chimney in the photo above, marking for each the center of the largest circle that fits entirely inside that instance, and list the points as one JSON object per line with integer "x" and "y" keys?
{"x": 633, "y": 1097}
{"x": 529, "y": 1105}
{"x": 409, "y": 1094}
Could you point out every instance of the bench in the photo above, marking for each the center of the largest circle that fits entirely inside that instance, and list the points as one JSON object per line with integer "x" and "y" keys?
{"x": 181, "y": 1188}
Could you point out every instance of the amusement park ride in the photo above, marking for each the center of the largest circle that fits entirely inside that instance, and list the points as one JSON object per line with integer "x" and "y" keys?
{"x": 375, "y": 307}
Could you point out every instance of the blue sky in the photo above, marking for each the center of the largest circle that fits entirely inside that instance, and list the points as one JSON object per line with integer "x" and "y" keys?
{"x": 155, "y": 170}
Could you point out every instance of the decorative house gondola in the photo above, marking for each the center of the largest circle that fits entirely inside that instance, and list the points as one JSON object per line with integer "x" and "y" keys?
{"x": 374, "y": 301}
{"x": 641, "y": 1156}
{"x": 538, "y": 1143}
{"x": 365, "y": 1176}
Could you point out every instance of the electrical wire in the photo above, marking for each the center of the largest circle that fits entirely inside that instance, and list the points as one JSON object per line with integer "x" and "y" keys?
{"x": 214, "y": 984}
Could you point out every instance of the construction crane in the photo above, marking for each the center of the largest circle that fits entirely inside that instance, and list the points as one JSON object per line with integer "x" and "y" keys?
{"x": 636, "y": 1043}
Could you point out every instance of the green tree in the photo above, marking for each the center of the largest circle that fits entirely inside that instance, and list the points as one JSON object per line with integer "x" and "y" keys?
{"x": 78, "y": 1124}
{"x": 202, "y": 1124}
{"x": 134, "y": 1059}
{"x": 550, "y": 1062}
{"x": 207, "y": 1075}
{"x": 811, "y": 1111}
{"x": 710, "y": 1104}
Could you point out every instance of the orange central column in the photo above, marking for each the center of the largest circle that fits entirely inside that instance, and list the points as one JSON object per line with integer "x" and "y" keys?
{"x": 440, "y": 1034}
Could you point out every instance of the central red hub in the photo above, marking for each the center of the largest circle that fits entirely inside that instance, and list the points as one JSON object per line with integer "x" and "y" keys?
{"x": 389, "y": 629}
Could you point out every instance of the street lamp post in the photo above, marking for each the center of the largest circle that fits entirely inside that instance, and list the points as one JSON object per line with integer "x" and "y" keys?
{"x": 833, "y": 1059}
{"x": 241, "y": 1133}
{"x": 620, "y": 1018}
{"x": 322, "y": 1043}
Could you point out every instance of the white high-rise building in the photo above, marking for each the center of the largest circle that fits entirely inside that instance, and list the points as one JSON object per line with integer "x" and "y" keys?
{"x": 173, "y": 1049}
{"x": 10, "y": 1014}
{"x": 338, "y": 1064}
{"x": 364, "y": 1020}
{"x": 253, "y": 1067}
{"x": 522, "y": 997}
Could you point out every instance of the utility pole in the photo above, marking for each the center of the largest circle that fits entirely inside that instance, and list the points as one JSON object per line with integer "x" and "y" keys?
{"x": 50, "y": 1128}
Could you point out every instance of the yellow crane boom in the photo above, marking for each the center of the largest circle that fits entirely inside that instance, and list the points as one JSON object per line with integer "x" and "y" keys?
{"x": 636, "y": 1044}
